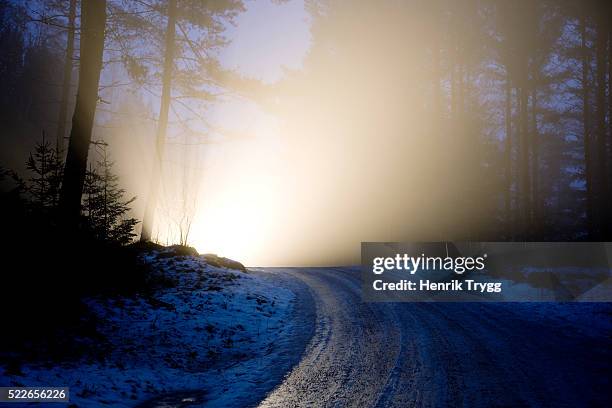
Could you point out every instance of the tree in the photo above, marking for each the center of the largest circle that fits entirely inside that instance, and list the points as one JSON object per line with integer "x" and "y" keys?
{"x": 162, "y": 124}
{"x": 506, "y": 48}
{"x": 92, "y": 47}
{"x": 601, "y": 44}
{"x": 46, "y": 168}
{"x": 188, "y": 65}
{"x": 588, "y": 161}
{"x": 104, "y": 207}
{"x": 67, "y": 78}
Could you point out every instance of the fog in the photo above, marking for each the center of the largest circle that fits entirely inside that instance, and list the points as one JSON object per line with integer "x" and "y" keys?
{"x": 344, "y": 149}
{"x": 333, "y": 123}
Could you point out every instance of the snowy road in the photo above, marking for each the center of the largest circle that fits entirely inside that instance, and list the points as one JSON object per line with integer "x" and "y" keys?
{"x": 422, "y": 355}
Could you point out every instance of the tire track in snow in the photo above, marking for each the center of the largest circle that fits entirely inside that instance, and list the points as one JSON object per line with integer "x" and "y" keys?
{"x": 433, "y": 354}
{"x": 352, "y": 353}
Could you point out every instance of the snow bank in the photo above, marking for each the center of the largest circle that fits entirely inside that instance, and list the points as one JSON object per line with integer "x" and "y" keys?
{"x": 205, "y": 322}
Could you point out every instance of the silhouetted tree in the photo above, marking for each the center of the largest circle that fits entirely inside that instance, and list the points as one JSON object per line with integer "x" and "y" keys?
{"x": 162, "y": 124}
{"x": 92, "y": 47}
{"x": 46, "y": 168}
{"x": 602, "y": 26}
{"x": 104, "y": 206}
{"x": 189, "y": 17}
{"x": 67, "y": 76}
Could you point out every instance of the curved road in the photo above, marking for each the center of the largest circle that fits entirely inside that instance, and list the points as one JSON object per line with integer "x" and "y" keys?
{"x": 434, "y": 354}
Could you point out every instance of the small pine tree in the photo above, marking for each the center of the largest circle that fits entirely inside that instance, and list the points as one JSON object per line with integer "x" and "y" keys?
{"x": 44, "y": 184}
{"x": 12, "y": 177}
{"x": 104, "y": 206}
{"x": 91, "y": 206}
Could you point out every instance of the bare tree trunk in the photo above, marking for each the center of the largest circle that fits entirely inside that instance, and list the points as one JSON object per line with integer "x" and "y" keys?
{"x": 162, "y": 125}
{"x": 67, "y": 80}
{"x": 600, "y": 117}
{"x": 440, "y": 228}
{"x": 609, "y": 117}
{"x": 537, "y": 212}
{"x": 508, "y": 154}
{"x": 525, "y": 190}
{"x": 588, "y": 164}
{"x": 610, "y": 91}
{"x": 92, "y": 48}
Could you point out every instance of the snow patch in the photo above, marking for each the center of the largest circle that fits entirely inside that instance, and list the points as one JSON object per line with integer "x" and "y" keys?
{"x": 207, "y": 321}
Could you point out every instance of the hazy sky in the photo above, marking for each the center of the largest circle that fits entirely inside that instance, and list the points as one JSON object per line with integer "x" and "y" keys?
{"x": 361, "y": 140}
{"x": 267, "y": 37}
{"x": 326, "y": 161}
{"x": 241, "y": 196}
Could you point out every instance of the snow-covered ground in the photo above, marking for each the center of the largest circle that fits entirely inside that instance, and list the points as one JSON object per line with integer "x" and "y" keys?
{"x": 411, "y": 354}
{"x": 303, "y": 337}
{"x": 206, "y": 324}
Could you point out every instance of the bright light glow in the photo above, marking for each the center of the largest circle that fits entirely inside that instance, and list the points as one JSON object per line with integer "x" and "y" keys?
{"x": 239, "y": 194}
{"x": 236, "y": 222}
{"x": 351, "y": 147}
